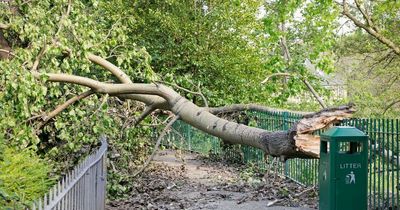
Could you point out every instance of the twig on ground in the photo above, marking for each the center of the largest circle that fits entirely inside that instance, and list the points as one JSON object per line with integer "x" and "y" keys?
{"x": 271, "y": 203}
{"x": 307, "y": 190}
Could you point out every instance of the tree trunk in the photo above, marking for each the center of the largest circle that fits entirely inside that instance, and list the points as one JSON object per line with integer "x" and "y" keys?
{"x": 279, "y": 143}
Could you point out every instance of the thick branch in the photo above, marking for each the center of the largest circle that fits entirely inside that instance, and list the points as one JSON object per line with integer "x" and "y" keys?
{"x": 149, "y": 100}
{"x": 248, "y": 107}
{"x": 63, "y": 106}
{"x": 281, "y": 143}
{"x": 121, "y": 76}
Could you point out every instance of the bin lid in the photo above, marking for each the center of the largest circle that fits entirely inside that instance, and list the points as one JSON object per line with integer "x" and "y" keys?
{"x": 344, "y": 133}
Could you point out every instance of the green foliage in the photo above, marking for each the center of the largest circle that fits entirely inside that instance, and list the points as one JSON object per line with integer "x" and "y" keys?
{"x": 213, "y": 45}
{"x": 369, "y": 66}
{"x": 91, "y": 26}
{"x": 307, "y": 28}
{"x": 23, "y": 177}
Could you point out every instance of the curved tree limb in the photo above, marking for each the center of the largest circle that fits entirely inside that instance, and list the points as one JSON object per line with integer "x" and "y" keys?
{"x": 149, "y": 100}
{"x": 121, "y": 76}
{"x": 390, "y": 105}
{"x": 160, "y": 138}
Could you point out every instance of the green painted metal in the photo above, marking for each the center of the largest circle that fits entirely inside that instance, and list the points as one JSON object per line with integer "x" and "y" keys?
{"x": 343, "y": 169}
{"x": 383, "y": 175}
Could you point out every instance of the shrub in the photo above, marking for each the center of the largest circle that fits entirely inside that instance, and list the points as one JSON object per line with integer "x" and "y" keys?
{"x": 23, "y": 178}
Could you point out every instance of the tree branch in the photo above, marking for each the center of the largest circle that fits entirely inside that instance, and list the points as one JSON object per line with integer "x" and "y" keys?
{"x": 187, "y": 90}
{"x": 158, "y": 102}
{"x": 63, "y": 106}
{"x": 4, "y": 26}
{"x": 148, "y": 110}
{"x": 275, "y": 75}
{"x": 121, "y": 76}
{"x": 39, "y": 57}
{"x": 286, "y": 53}
{"x": 9, "y": 52}
{"x": 390, "y": 105}
{"x": 278, "y": 143}
{"x": 248, "y": 107}
{"x": 315, "y": 94}
{"x": 160, "y": 138}
{"x": 364, "y": 13}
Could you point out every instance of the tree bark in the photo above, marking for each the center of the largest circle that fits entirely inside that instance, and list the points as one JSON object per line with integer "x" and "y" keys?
{"x": 4, "y": 46}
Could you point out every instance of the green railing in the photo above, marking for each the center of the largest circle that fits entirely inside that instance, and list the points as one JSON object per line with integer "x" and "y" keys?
{"x": 384, "y": 180}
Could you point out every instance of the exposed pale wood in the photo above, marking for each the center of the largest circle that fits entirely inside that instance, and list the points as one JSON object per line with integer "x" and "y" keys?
{"x": 308, "y": 144}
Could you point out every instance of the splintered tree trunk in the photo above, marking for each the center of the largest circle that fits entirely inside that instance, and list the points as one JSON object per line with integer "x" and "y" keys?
{"x": 298, "y": 141}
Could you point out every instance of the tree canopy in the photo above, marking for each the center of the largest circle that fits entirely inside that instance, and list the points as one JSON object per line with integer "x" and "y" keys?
{"x": 212, "y": 52}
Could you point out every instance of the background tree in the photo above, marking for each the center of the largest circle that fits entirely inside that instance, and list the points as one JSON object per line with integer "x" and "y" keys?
{"x": 212, "y": 45}
{"x": 297, "y": 33}
{"x": 369, "y": 56}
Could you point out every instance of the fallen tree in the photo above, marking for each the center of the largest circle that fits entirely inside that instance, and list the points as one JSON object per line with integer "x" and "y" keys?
{"x": 298, "y": 141}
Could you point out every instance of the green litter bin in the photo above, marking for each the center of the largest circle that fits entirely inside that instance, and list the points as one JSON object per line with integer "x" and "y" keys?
{"x": 343, "y": 169}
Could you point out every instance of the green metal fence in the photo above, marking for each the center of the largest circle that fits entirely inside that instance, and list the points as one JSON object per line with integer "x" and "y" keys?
{"x": 384, "y": 180}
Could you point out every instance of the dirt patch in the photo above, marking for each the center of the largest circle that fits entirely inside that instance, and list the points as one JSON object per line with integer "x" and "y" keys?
{"x": 188, "y": 181}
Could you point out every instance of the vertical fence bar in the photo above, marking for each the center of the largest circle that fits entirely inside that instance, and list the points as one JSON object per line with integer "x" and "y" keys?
{"x": 387, "y": 162}
{"x": 370, "y": 159}
{"x": 392, "y": 162}
{"x": 397, "y": 161}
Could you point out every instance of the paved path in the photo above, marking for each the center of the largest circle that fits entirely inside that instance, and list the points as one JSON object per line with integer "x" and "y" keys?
{"x": 178, "y": 181}
{"x": 199, "y": 173}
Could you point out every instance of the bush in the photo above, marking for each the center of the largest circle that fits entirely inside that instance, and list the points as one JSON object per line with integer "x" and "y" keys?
{"x": 23, "y": 178}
